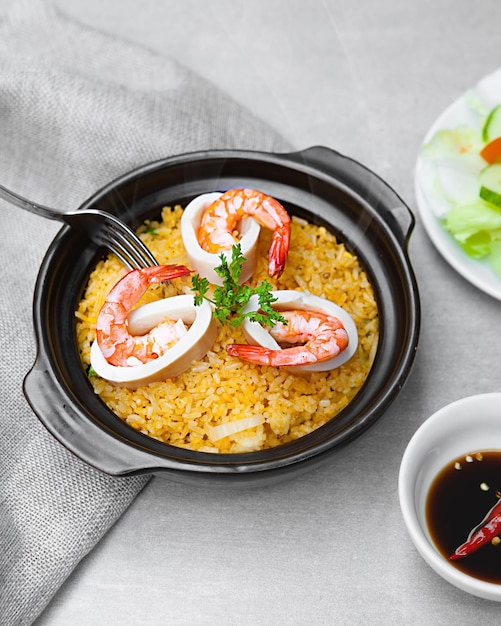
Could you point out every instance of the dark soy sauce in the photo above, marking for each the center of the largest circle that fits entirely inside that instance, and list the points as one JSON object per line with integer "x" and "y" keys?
{"x": 459, "y": 499}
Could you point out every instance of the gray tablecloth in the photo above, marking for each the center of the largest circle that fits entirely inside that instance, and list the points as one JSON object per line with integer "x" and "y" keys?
{"x": 76, "y": 110}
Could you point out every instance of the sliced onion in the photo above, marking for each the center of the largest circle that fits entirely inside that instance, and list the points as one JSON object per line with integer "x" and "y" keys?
{"x": 230, "y": 428}
{"x": 204, "y": 262}
{"x": 192, "y": 346}
{"x": 288, "y": 300}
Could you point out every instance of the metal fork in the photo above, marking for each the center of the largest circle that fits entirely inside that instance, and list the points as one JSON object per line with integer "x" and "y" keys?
{"x": 101, "y": 227}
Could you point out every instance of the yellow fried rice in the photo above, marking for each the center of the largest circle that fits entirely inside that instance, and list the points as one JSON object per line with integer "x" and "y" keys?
{"x": 218, "y": 389}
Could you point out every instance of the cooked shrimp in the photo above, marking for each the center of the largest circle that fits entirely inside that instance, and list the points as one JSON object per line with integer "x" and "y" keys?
{"x": 321, "y": 336}
{"x": 118, "y": 346}
{"x": 217, "y": 229}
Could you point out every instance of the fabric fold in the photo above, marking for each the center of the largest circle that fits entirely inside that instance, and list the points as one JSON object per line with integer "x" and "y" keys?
{"x": 77, "y": 109}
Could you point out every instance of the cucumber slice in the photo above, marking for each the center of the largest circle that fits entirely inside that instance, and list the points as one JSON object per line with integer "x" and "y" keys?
{"x": 492, "y": 126}
{"x": 490, "y": 184}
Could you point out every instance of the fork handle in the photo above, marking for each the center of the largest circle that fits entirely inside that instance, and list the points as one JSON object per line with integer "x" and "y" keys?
{"x": 27, "y": 205}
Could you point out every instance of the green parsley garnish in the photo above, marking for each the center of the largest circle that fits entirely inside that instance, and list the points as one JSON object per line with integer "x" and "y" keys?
{"x": 230, "y": 299}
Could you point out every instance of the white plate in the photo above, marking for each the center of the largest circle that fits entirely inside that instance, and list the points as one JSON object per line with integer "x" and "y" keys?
{"x": 477, "y": 272}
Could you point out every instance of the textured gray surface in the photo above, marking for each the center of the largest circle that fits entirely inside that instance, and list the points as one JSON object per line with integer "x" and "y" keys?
{"x": 367, "y": 79}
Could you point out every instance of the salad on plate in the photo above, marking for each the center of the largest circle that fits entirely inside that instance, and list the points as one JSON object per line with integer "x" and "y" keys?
{"x": 458, "y": 184}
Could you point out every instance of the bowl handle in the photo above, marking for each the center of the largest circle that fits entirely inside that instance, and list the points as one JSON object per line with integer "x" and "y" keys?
{"x": 369, "y": 185}
{"x": 86, "y": 439}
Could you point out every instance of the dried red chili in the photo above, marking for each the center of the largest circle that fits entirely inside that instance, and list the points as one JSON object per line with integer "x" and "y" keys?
{"x": 488, "y": 528}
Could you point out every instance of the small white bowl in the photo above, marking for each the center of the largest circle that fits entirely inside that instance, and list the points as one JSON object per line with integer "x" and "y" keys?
{"x": 465, "y": 426}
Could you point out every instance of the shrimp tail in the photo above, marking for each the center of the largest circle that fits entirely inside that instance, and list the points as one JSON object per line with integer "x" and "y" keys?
{"x": 267, "y": 356}
{"x": 253, "y": 354}
{"x": 163, "y": 273}
{"x": 278, "y": 252}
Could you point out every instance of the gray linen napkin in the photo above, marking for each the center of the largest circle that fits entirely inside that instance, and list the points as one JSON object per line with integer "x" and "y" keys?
{"x": 77, "y": 108}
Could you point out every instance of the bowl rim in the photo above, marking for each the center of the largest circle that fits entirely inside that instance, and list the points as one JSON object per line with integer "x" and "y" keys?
{"x": 408, "y": 495}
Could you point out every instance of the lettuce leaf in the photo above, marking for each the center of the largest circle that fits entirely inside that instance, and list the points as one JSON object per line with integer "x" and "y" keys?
{"x": 477, "y": 228}
{"x": 460, "y": 146}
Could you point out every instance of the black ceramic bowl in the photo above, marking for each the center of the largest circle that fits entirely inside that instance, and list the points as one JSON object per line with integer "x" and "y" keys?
{"x": 317, "y": 184}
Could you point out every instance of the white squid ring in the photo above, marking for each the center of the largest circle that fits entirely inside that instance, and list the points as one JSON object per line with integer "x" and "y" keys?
{"x": 288, "y": 299}
{"x": 204, "y": 262}
{"x": 192, "y": 346}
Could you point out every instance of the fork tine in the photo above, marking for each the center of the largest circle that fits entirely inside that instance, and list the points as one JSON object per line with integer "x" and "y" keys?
{"x": 126, "y": 260}
{"x": 134, "y": 252}
{"x": 126, "y": 249}
{"x": 144, "y": 255}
